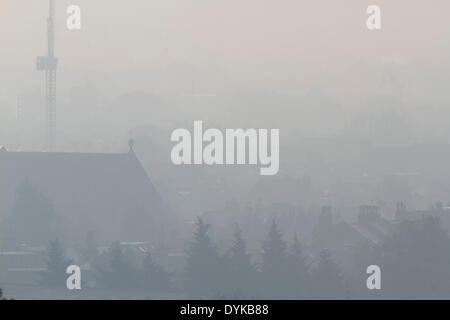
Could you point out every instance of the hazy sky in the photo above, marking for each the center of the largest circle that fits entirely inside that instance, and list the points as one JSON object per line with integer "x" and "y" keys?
{"x": 288, "y": 45}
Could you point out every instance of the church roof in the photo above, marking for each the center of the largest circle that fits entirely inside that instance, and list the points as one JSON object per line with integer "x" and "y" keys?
{"x": 89, "y": 190}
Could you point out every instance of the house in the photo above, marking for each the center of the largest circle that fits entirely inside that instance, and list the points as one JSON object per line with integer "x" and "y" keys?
{"x": 438, "y": 211}
{"x": 370, "y": 227}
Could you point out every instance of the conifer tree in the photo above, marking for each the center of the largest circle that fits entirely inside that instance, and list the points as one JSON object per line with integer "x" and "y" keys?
{"x": 117, "y": 271}
{"x": 274, "y": 264}
{"x": 33, "y": 218}
{"x": 57, "y": 264}
{"x": 242, "y": 271}
{"x": 327, "y": 280}
{"x": 202, "y": 274}
{"x": 298, "y": 271}
{"x": 155, "y": 277}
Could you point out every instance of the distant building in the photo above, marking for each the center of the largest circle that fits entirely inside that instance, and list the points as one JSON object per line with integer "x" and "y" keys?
{"x": 107, "y": 194}
{"x": 437, "y": 211}
{"x": 24, "y": 266}
{"x": 370, "y": 227}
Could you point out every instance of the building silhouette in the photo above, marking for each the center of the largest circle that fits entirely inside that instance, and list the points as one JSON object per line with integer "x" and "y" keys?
{"x": 110, "y": 195}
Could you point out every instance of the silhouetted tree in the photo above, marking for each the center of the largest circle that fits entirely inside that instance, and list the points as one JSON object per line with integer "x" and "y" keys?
{"x": 415, "y": 261}
{"x": 365, "y": 253}
{"x": 274, "y": 264}
{"x": 121, "y": 268}
{"x": 203, "y": 266}
{"x": 119, "y": 271}
{"x": 57, "y": 264}
{"x": 323, "y": 234}
{"x": 241, "y": 270}
{"x": 298, "y": 271}
{"x": 248, "y": 209}
{"x": 90, "y": 251}
{"x": 155, "y": 277}
{"x": 327, "y": 279}
{"x": 33, "y": 218}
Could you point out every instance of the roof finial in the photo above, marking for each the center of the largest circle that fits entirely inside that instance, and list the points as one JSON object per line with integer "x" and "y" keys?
{"x": 131, "y": 144}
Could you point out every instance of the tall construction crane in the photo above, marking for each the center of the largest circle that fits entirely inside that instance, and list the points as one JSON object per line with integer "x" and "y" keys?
{"x": 48, "y": 64}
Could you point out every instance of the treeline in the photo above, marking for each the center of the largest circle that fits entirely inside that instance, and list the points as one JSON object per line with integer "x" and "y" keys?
{"x": 414, "y": 261}
{"x": 117, "y": 268}
{"x": 282, "y": 273}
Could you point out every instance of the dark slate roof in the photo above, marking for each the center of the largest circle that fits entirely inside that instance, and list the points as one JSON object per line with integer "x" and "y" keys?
{"x": 102, "y": 192}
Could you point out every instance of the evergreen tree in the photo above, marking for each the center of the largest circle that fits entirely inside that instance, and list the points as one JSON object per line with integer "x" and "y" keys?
{"x": 118, "y": 263}
{"x": 203, "y": 264}
{"x": 33, "y": 218}
{"x": 155, "y": 277}
{"x": 118, "y": 272}
{"x": 90, "y": 251}
{"x": 274, "y": 264}
{"x": 365, "y": 253}
{"x": 259, "y": 207}
{"x": 242, "y": 271}
{"x": 298, "y": 271}
{"x": 327, "y": 280}
{"x": 415, "y": 261}
{"x": 248, "y": 209}
{"x": 323, "y": 234}
{"x": 57, "y": 264}
{"x": 274, "y": 251}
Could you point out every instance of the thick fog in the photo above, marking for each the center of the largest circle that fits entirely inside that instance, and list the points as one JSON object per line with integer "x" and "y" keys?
{"x": 364, "y": 141}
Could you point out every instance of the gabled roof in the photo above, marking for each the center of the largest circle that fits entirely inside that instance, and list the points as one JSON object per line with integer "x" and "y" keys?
{"x": 375, "y": 232}
{"x": 89, "y": 190}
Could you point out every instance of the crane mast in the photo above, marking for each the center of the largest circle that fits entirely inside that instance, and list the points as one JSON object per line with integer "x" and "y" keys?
{"x": 48, "y": 64}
